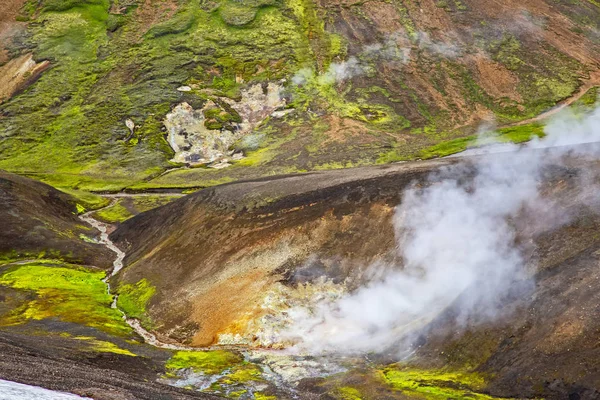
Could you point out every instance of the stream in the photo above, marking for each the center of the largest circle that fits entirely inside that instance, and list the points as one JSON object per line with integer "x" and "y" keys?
{"x": 282, "y": 369}
{"x": 117, "y": 266}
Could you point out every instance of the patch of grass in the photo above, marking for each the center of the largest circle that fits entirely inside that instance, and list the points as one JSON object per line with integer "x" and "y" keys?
{"x": 133, "y": 299}
{"x": 447, "y": 148}
{"x": 207, "y": 362}
{"x": 515, "y": 134}
{"x": 67, "y": 292}
{"x": 520, "y": 134}
{"x": 436, "y": 384}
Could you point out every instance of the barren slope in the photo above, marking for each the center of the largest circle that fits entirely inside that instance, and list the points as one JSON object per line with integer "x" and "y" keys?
{"x": 39, "y": 221}
{"x": 217, "y": 256}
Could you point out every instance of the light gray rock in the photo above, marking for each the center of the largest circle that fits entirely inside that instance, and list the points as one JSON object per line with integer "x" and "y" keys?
{"x": 197, "y": 140}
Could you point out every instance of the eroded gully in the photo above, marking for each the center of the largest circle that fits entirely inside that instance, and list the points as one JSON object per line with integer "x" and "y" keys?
{"x": 117, "y": 266}
{"x": 279, "y": 368}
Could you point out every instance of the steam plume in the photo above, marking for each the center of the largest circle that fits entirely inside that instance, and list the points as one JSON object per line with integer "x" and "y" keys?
{"x": 458, "y": 245}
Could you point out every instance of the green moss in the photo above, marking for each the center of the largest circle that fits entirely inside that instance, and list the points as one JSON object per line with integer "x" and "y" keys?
{"x": 102, "y": 346}
{"x": 86, "y": 201}
{"x": 516, "y": 134}
{"x": 449, "y": 147}
{"x": 237, "y": 14}
{"x": 521, "y": 133}
{"x": 207, "y": 362}
{"x": 506, "y": 51}
{"x": 262, "y": 396}
{"x": 181, "y": 22}
{"x": 348, "y": 393}
{"x": 436, "y": 384}
{"x": 589, "y": 99}
{"x": 70, "y": 293}
{"x": 126, "y": 207}
{"x": 133, "y": 299}
{"x": 242, "y": 374}
{"x": 112, "y": 214}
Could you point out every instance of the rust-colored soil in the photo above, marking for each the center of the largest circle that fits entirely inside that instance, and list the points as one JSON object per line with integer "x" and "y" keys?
{"x": 8, "y": 25}
{"x": 18, "y": 73}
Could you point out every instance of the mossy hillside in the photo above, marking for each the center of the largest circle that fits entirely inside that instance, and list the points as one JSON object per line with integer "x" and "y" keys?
{"x": 86, "y": 201}
{"x": 115, "y": 213}
{"x": 50, "y": 257}
{"x": 68, "y": 128}
{"x": 133, "y": 299}
{"x": 54, "y": 129}
{"x": 546, "y": 76}
{"x": 67, "y": 292}
{"x": 436, "y": 384}
{"x": 70, "y": 124}
{"x": 589, "y": 100}
{"x": 513, "y": 134}
{"x": 278, "y": 153}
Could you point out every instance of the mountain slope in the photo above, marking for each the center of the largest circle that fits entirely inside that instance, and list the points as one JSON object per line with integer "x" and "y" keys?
{"x": 226, "y": 264}
{"x": 39, "y": 221}
{"x": 367, "y": 82}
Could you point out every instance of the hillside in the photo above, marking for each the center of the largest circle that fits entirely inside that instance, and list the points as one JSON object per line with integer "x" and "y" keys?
{"x": 229, "y": 264}
{"x": 39, "y": 221}
{"x": 300, "y": 199}
{"x": 104, "y": 95}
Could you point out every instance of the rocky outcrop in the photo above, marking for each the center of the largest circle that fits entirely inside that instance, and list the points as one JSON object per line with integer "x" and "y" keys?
{"x": 18, "y": 73}
{"x": 205, "y": 136}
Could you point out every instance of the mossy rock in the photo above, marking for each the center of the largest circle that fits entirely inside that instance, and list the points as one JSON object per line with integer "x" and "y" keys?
{"x": 181, "y": 22}
{"x": 237, "y": 14}
{"x": 213, "y": 124}
{"x": 62, "y": 5}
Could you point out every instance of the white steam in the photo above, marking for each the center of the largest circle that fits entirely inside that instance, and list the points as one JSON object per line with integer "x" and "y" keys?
{"x": 337, "y": 72}
{"x": 456, "y": 236}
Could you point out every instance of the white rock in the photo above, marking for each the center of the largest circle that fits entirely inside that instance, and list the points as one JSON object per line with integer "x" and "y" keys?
{"x": 130, "y": 124}
{"x": 281, "y": 113}
{"x": 220, "y": 165}
{"x": 184, "y": 89}
{"x": 195, "y": 144}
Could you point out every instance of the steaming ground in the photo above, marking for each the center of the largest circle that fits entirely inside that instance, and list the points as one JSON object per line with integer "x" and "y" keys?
{"x": 457, "y": 239}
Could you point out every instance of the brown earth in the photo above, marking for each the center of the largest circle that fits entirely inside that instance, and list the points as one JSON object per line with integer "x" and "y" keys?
{"x": 8, "y": 25}
{"x": 40, "y": 221}
{"x": 18, "y": 73}
{"x": 213, "y": 255}
{"x": 249, "y": 235}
